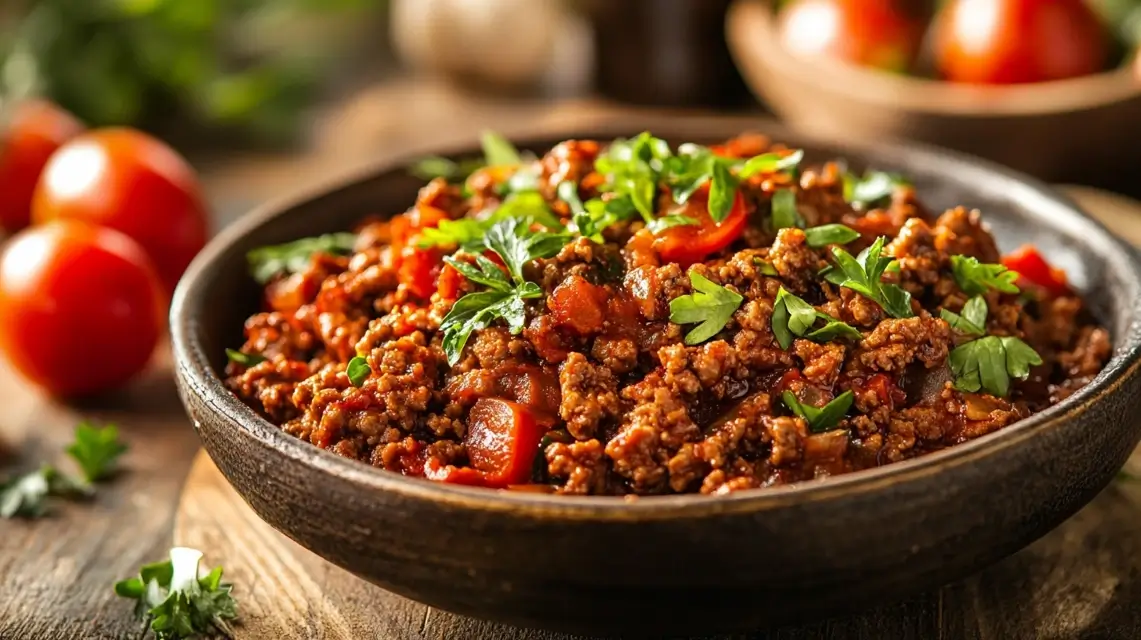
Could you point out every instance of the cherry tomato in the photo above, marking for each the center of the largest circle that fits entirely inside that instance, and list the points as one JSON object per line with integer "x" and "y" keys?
{"x": 691, "y": 243}
{"x": 128, "y": 181}
{"x": 502, "y": 440}
{"x": 1014, "y": 41}
{"x": 873, "y": 33}
{"x": 33, "y": 133}
{"x": 82, "y": 307}
{"x": 1034, "y": 269}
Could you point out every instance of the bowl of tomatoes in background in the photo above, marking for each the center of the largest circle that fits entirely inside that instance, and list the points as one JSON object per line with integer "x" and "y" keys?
{"x": 1049, "y": 87}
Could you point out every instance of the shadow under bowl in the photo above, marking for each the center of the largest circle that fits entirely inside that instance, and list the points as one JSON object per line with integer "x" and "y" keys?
{"x": 1081, "y": 130}
{"x": 691, "y": 563}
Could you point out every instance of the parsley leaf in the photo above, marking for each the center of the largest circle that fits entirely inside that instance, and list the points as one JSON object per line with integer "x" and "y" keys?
{"x": 668, "y": 222}
{"x": 785, "y": 214}
{"x": 96, "y": 450}
{"x": 516, "y": 246}
{"x": 291, "y": 257}
{"x": 633, "y": 168}
{"x": 826, "y": 234}
{"x": 793, "y": 316}
{"x": 466, "y": 233}
{"x": 820, "y": 419}
{"x": 498, "y": 151}
{"x": 358, "y": 371}
{"x": 722, "y": 192}
{"x": 431, "y": 167}
{"x": 872, "y": 189}
{"x": 26, "y": 495}
{"x": 975, "y": 277}
{"x": 526, "y": 206}
{"x": 712, "y": 306}
{"x": 973, "y": 318}
{"x": 863, "y": 274}
{"x": 244, "y": 359}
{"x": 177, "y": 601}
{"x": 771, "y": 162}
{"x": 688, "y": 170}
{"x": 765, "y": 268}
{"x": 600, "y": 214}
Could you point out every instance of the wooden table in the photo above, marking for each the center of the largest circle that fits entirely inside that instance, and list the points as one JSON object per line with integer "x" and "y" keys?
{"x": 1081, "y": 581}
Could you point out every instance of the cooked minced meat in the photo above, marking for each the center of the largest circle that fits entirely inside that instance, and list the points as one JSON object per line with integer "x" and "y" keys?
{"x": 626, "y": 318}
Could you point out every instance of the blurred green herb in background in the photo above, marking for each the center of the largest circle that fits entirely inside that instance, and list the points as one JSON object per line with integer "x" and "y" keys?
{"x": 250, "y": 66}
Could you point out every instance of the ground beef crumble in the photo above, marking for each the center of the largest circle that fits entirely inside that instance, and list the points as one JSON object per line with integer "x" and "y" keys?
{"x": 623, "y": 404}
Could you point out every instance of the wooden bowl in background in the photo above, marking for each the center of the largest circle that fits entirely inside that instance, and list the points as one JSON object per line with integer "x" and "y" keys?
{"x": 1083, "y": 130}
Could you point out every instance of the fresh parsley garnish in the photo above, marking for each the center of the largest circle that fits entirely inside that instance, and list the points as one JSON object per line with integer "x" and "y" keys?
{"x": 972, "y": 321}
{"x": 96, "y": 450}
{"x": 498, "y": 151}
{"x": 785, "y": 214}
{"x": 529, "y": 206}
{"x": 177, "y": 601}
{"x": 600, "y": 214}
{"x": 291, "y": 257}
{"x": 516, "y": 246}
{"x": 711, "y": 305}
{"x": 987, "y": 363}
{"x": 872, "y": 189}
{"x": 826, "y": 234}
{"x": 793, "y": 316}
{"x": 820, "y": 419}
{"x": 358, "y": 370}
{"x": 244, "y": 359}
{"x": 27, "y": 495}
{"x": 862, "y": 274}
{"x": 771, "y": 162}
{"x": 659, "y": 225}
{"x": 633, "y": 168}
{"x": 975, "y": 277}
{"x": 722, "y": 192}
{"x": 765, "y": 268}
{"x": 431, "y": 167}
{"x": 466, "y": 233}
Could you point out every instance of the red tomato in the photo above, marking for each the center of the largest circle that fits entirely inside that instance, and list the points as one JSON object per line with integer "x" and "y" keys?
{"x": 873, "y": 33}
{"x": 579, "y": 305}
{"x": 1034, "y": 269}
{"x": 1013, "y": 41}
{"x": 82, "y": 307}
{"x": 691, "y": 243}
{"x": 419, "y": 270}
{"x": 36, "y": 129}
{"x": 502, "y": 441}
{"x": 131, "y": 182}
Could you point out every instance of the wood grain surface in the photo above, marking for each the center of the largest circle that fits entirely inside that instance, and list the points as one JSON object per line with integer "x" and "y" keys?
{"x": 1081, "y": 581}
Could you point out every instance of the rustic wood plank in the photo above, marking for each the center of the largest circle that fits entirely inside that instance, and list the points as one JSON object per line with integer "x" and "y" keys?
{"x": 58, "y": 571}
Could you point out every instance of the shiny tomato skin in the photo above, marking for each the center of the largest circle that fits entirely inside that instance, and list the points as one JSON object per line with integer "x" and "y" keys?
{"x": 1018, "y": 41}
{"x": 82, "y": 307}
{"x": 34, "y": 131}
{"x": 872, "y": 33}
{"x": 129, "y": 181}
{"x": 1033, "y": 269}
{"x": 502, "y": 441}
{"x": 690, "y": 244}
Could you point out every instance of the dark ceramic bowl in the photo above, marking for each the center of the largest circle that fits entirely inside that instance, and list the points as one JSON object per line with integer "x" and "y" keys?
{"x": 684, "y": 563}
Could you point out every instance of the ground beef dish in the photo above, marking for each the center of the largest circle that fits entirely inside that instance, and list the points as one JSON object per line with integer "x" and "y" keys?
{"x": 623, "y": 318}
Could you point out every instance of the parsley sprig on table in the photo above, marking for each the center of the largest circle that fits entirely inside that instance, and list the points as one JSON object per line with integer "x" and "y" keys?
{"x": 863, "y": 274}
{"x": 517, "y": 246}
{"x": 177, "y": 601}
{"x": 711, "y": 306}
{"x": 989, "y": 362}
{"x": 820, "y": 419}
{"x": 793, "y": 316}
{"x": 291, "y": 257}
{"x": 976, "y": 278}
{"x": 94, "y": 450}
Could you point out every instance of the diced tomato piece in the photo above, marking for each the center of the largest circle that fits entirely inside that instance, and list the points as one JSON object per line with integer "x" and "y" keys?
{"x": 578, "y": 305}
{"x": 502, "y": 441}
{"x": 885, "y": 389}
{"x": 689, "y": 244}
{"x": 743, "y": 146}
{"x": 526, "y": 384}
{"x": 404, "y": 226}
{"x": 448, "y": 285}
{"x": 419, "y": 270}
{"x": 1035, "y": 270}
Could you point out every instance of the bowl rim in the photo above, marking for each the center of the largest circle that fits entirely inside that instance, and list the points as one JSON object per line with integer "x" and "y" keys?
{"x": 196, "y": 375}
{"x": 751, "y": 32}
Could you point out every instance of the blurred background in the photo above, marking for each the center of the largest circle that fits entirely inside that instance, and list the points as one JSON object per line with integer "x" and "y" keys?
{"x": 262, "y": 94}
